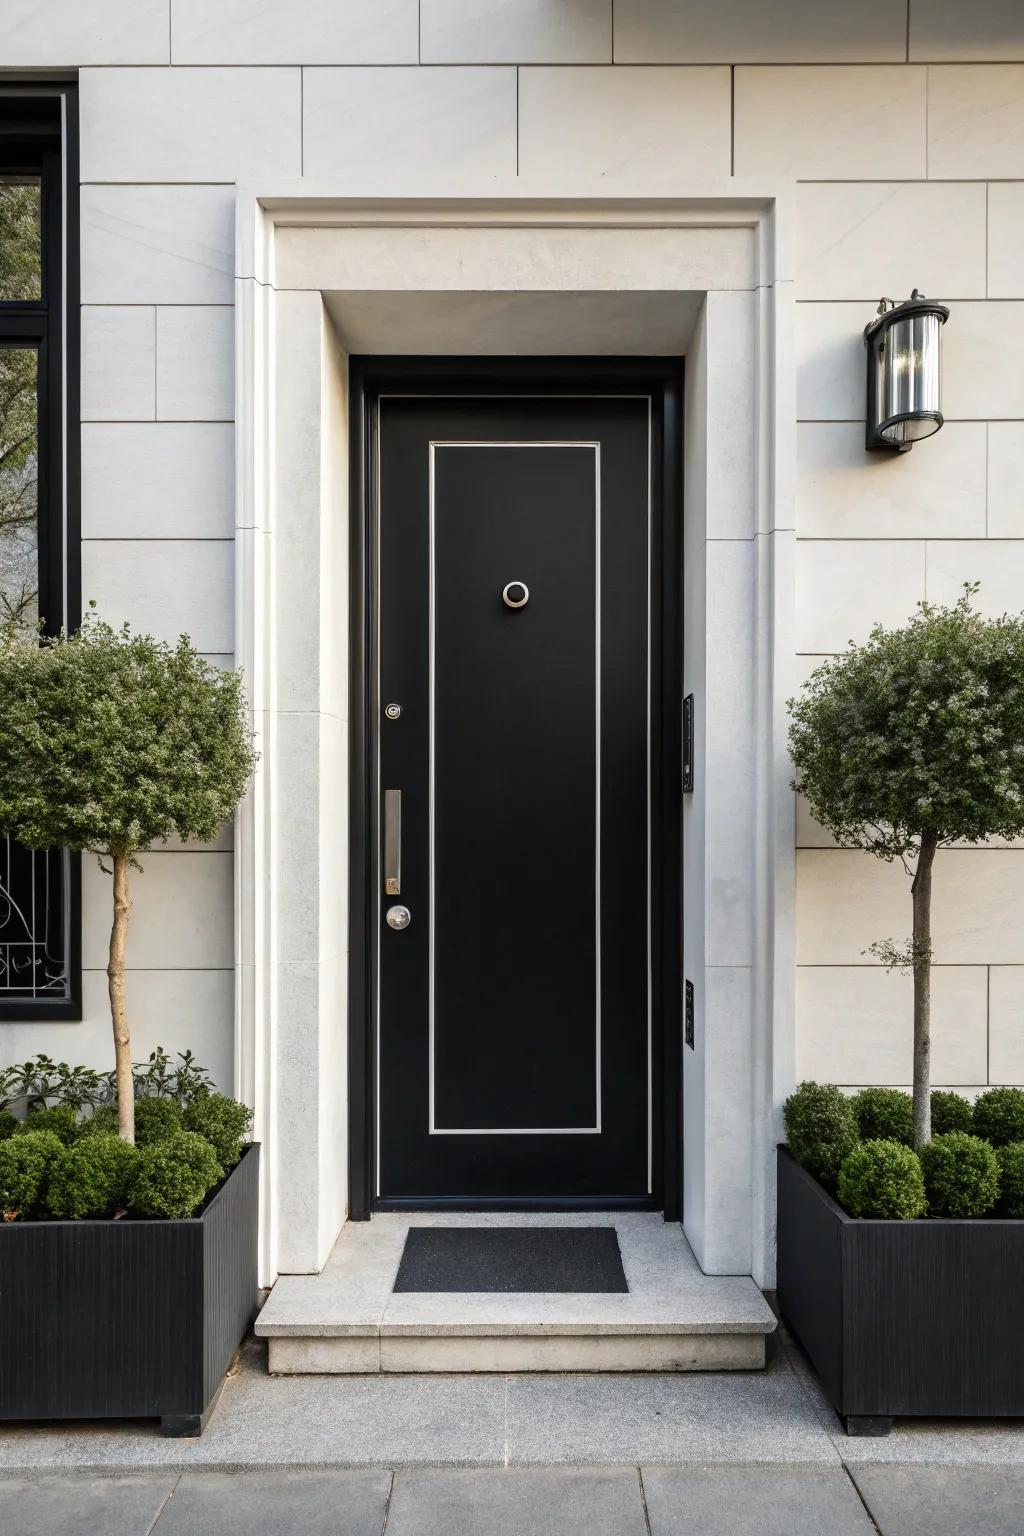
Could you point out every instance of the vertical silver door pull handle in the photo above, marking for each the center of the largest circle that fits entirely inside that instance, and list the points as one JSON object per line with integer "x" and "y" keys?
{"x": 392, "y": 842}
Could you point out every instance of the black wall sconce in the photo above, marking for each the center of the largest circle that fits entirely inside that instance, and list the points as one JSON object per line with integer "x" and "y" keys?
{"x": 904, "y": 347}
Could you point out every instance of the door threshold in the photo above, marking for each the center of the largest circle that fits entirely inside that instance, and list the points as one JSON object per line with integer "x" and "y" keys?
{"x": 548, "y": 1203}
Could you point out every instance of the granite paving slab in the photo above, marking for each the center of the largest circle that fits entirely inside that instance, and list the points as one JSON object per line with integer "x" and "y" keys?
{"x": 753, "y": 1501}
{"x": 276, "y": 1504}
{"x": 944, "y": 1501}
{"x": 281, "y": 1422}
{"x": 597, "y": 1502}
{"x": 734, "y": 1416}
{"x": 82, "y": 1506}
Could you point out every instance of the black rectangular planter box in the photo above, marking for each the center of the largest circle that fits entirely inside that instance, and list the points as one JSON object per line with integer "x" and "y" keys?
{"x": 923, "y": 1318}
{"x": 128, "y": 1319}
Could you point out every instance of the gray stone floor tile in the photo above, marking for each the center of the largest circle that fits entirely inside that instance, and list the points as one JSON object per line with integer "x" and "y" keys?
{"x": 276, "y": 1504}
{"x": 270, "y": 1423}
{"x": 753, "y": 1501}
{"x": 81, "y": 1506}
{"x": 533, "y": 1502}
{"x": 944, "y": 1501}
{"x": 731, "y": 1416}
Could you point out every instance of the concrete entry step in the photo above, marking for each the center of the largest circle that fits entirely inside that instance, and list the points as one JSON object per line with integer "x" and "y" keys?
{"x": 348, "y": 1318}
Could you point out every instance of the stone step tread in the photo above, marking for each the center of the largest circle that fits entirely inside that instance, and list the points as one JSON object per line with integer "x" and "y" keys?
{"x": 669, "y": 1295}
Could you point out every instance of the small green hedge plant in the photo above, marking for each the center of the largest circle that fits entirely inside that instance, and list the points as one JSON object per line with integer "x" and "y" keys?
{"x": 961, "y": 1175}
{"x": 8, "y": 1124}
{"x": 91, "y": 1178}
{"x": 884, "y": 1114}
{"x": 102, "y": 1122}
{"x": 1011, "y": 1178}
{"x": 155, "y": 1120}
{"x": 883, "y": 1179}
{"x": 25, "y": 1163}
{"x": 224, "y": 1122}
{"x": 58, "y": 1118}
{"x": 950, "y": 1112}
{"x": 172, "y": 1176}
{"x": 821, "y": 1128}
{"x": 999, "y": 1116}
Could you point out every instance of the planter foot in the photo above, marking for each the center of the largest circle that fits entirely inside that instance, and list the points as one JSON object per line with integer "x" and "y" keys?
{"x": 181, "y": 1426}
{"x": 188, "y": 1426}
{"x": 876, "y": 1425}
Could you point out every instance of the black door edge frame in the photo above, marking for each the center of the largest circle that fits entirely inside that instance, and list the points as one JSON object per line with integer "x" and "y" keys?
{"x": 50, "y": 147}
{"x": 662, "y": 378}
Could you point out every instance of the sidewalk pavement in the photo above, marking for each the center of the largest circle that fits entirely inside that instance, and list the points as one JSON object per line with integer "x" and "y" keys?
{"x": 808, "y": 1500}
{"x": 725, "y": 1453}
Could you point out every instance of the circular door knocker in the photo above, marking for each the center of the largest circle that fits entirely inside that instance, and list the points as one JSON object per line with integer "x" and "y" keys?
{"x": 515, "y": 594}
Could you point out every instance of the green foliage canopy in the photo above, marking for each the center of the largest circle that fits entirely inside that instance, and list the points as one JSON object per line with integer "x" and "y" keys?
{"x": 920, "y": 729}
{"x": 111, "y": 741}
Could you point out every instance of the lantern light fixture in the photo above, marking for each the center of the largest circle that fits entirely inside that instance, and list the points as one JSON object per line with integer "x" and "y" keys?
{"x": 904, "y": 346}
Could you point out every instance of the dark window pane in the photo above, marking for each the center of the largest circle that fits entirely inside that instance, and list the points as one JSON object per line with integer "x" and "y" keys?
{"x": 33, "y": 924}
{"x": 20, "y": 238}
{"x": 19, "y": 508}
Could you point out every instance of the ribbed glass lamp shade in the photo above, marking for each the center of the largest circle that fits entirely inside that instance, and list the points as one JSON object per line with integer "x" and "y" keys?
{"x": 905, "y": 374}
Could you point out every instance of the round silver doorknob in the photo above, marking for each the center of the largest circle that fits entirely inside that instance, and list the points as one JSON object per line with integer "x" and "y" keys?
{"x": 398, "y": 917}
{"x": 515, "y": 594}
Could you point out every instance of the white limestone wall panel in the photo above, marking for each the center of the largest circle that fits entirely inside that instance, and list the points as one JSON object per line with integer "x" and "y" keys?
{"x": 165, "y": 588}
{"x": 158, "y": 480}
{"x": 157, "y": 244}
{"x": 749, "y": 32}
{"x": 975, "y": 120}
{"x": 190, "y": 125}
{"x": 846, "y": 900}
{"x": 237, "y": 32}
{"x": 856, "y": 1025}
{"x": 859, "y": 240}
{"x": 947, "y": 31}
{"x": 830, "y": 122}
{"x": 641, "y": 124}
{"x": 118, "y": 363}
{"x": 395, "y": 126}
{"x": 515, "y": 32}
{"x": 67, "y": 34}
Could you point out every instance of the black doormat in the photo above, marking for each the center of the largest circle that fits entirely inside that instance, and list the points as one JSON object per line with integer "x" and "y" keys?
{"x": 582, "y": 1259}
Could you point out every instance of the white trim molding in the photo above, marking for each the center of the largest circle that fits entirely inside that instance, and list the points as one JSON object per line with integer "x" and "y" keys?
{"x": 306, "y": 256}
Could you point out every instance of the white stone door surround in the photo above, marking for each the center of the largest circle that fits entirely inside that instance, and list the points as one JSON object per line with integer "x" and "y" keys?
{"x": 707, "y": 267}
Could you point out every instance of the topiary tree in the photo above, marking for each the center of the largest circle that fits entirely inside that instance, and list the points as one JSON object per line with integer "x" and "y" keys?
{"x": 910, "y": 742}
{"x": 821, "y": 1128}
{"x": 961, "y": 1175}
{"x": 224, "y": 1122}
{"x": 950, "y": 1112}
{"x": 884, "y": 1114}
{"x": 91, "y": 1178}
{"x": 1011, "y": 1178}
{"x": 999, "y": 1116}
{"x": 25, "y": 1163}
{"x": 883, "y": 1178}
{"x": 172, "y": 1176}
{"x": 111, "y": 742}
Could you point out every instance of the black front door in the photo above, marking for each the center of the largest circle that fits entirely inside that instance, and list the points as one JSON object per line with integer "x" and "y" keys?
{"x": 516, "y": 1058}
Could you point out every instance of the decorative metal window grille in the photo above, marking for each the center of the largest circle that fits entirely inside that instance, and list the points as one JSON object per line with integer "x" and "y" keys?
{"x": 39, "y": 890}
{"x": 34, "y": 927}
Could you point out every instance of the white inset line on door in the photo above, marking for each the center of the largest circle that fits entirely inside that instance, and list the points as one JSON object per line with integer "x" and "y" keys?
{"x": 516, "y": 1130}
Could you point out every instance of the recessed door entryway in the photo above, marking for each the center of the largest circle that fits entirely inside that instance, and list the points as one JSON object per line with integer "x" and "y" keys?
{"x": 519, "y": 795}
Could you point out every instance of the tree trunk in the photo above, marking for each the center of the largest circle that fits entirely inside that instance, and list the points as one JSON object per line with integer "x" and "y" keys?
{"x": 118, "y": 1013}
{"x": 921, "y": 891}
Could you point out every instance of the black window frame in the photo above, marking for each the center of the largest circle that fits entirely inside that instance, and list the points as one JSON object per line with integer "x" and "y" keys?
{"x": 39, "y": 136}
